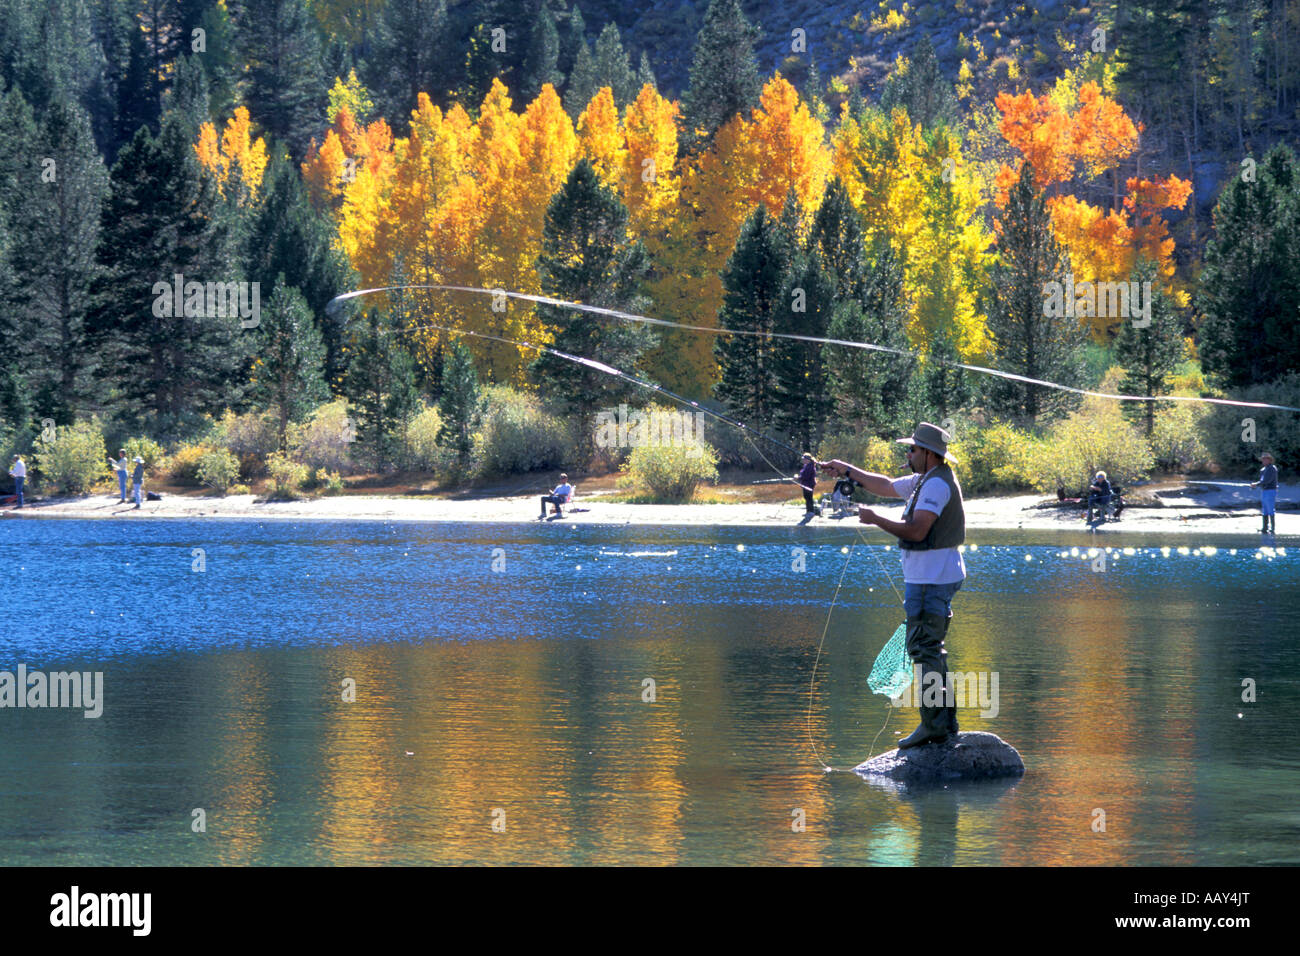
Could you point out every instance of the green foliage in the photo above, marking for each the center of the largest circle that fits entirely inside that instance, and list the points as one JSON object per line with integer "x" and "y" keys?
{"x": 249, "y": 437}
{"x": 1095, "y": 438}
{"x": 1236, "y": 437}
{"x": 461, "y": 406}
{"x": 519, "y": 436}
{"x": 1248, "y": 296}
{"x": 672, "y": 472}
{"x": 1151, "y": 353}
{"x": 288, "y": 373}
{"x": 1175, "y": 438}
{"x": 287, "y": 476}
{"x": 74, "y": 457}
{"x": 218, "y": 470}
{"x": 325, "y": 439}
{"x": 238, "y": 490}
{"x": 920, "y": 88}
{"x": 871, "y": 453}
{"x": 145, "y": 448}
{"x": 1000, "y": 457}
{"x": 1027, "y": 340}
{"x": 425, "y": 452}
{"x": 183, "y": 464}
{"x": 724, "y": 77}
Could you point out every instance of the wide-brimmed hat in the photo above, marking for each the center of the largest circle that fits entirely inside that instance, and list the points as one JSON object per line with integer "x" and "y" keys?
{"x": 139, "y": 460}
{"x": 931, "y": 437}
{"x": 807, "y": 454}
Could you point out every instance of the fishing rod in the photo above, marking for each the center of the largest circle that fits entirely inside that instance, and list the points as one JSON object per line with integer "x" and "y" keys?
{"x": 818, "y": 340}
{"x": 333, "y": 305}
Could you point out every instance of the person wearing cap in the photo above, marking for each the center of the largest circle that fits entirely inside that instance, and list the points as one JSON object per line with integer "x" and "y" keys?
{"x": 120, "y": 466}
{"x": 137, "y": 478}
{"x": 18, "y": 472}
{"x": 807, "y": 480}
{"x": 1267, "y": 485}
{"x": 933, "y": 525}
{"x": 560, "y": 496}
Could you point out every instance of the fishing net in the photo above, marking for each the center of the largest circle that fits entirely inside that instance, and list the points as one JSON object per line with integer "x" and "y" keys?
{"x": 892, "y": 671}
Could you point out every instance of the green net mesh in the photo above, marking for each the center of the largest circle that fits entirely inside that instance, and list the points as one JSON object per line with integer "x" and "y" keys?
{"x": 893, "y": 668}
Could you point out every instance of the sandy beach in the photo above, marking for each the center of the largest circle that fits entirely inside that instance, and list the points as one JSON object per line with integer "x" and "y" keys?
{"x": 1192, "y": 507}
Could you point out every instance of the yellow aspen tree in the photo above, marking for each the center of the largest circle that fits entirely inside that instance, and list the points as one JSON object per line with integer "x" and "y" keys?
{"x": 601, "y": 140}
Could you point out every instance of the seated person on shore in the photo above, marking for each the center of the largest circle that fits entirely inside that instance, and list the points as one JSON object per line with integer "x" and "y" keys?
{"x": 842, "y": 496}
{"x": 1098, "y": 494}
{"x": 562, "y": 494}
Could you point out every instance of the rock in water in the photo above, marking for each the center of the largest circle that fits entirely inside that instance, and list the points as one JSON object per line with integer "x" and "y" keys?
{"x": 971, "y": 756}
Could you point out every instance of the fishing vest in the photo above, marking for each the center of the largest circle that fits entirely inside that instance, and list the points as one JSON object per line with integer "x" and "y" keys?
{"x": 949, "y": 529}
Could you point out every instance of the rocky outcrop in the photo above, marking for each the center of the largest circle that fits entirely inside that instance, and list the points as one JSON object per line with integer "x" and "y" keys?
{"x": 969, "y": 756}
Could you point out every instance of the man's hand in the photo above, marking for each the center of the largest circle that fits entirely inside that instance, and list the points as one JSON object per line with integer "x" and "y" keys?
{"x": 867, "y": 516}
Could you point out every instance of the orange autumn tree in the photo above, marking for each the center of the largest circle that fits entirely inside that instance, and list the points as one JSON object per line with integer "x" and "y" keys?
{"x": 752, "y": 160}
{"x": 348, "y": 150}
{"x": 236, "y": 159}
{"x": 1077, "y": 138}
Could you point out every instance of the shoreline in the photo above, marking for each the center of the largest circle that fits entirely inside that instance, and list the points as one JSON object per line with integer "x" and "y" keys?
{"x": 1201, "y": 507}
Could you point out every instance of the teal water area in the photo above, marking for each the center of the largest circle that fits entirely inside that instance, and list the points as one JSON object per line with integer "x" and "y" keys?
{"x": 587, "y": 695}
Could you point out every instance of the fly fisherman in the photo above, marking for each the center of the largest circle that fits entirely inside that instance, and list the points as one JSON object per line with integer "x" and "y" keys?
{"x": 934, "y": 523}
{"x": 1267, "y": 485}
{"x": 807, "y": 480}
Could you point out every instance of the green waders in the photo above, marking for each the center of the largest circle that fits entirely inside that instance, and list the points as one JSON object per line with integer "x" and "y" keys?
{"x": 925, "y": 636}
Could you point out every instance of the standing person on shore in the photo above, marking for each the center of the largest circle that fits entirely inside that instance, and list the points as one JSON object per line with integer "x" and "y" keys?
{"x": 1267, "y": 493}
{"x": 933, "y": 525}
{"x": 807, "y": 480}
{"x": 137, "y": 479}
{"x": 120, "y": 466}
{"x": 18, "y": 472}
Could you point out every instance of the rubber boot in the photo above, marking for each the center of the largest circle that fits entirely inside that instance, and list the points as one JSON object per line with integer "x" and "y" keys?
{"x": 925, "y": 645}
{"x": 952, "y": 709}
{"x": 1264, "y": 530}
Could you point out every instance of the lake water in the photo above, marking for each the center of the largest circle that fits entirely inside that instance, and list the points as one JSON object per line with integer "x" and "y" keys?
{"x": 502, "y": 710}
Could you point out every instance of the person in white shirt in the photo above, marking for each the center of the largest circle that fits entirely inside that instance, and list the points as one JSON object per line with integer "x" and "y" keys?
{"x": 560, "y": 496}
{"x": 121, "y": 467}
{"x": 933, "y": 525}
{"x": 18, "y": 472}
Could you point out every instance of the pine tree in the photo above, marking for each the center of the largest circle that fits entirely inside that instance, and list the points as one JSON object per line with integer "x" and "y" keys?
{"x": 541, "y": 61}
{"x": 286, "y": 234}
{"x": 870, "y": 387}
{"x": 1149, "y": 353}
{"x": 288, "y": 373}
{"x": 921, "y": 89}
{"x": 461, "y": 405}
{"x": 583, "y": 82}
{"x": 1249, "y": 296}
{"x": 612, "y": 66}
{"x": 1028, "y": 340}
{"x": 724, "y": 77}
{"x": 946, "y": 387}
{"x": 409, "y": 58}
{"x": 575, "y": 35}
{"x": 645, "y": 75}
{"x": 588, "y": 256}
{"x": 286, "y": 85}
{"x": 754, "y": 282}
{"x": 836, "y": 240}
{"x": 379, "y": 386}
{"x": 164, "y": 369}
{"x": 65, "y": 195}
{"x": 804, "y": 400}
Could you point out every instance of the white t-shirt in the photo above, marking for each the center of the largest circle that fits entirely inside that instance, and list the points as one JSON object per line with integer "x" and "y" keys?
{"x": 563, "y": 491}
{"x": 19, "y": 469}
{"x": 937, "y": 565}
